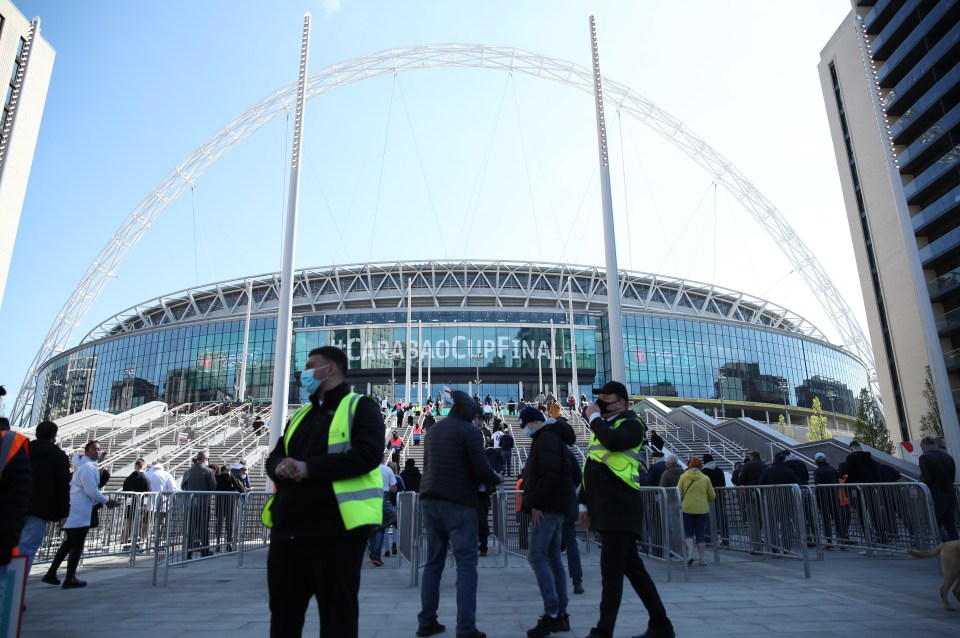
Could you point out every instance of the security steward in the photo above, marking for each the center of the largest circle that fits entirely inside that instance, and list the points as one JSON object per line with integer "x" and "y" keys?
{"x": 329, "y": 493}
{"x": 610, "y": 503}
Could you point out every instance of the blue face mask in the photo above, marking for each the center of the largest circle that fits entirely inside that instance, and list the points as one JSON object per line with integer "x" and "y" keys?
{"x": 528, "y": 431}
{"x": 308, "y": 384}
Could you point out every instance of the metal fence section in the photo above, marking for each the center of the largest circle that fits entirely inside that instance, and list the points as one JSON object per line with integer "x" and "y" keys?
{"x": 767, "y": 521}
{"x": 662, "y": 534}
{"x": 876, "y": 519}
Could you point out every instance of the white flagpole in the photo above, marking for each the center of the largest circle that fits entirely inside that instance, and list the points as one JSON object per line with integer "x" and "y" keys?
{"x": 281, "y": 363}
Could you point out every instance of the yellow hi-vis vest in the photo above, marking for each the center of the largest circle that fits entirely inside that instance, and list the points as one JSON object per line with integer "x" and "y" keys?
{"x": 625, "y": 465}
{"x": 360, "y": 498}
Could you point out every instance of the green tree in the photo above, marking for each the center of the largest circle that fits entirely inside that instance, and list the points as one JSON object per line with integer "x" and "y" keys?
{"x": 783, "y": 428}
{"x": 930, "y": 424}
{"x": 871, "y": 428}
{"x": 818, "y": 423}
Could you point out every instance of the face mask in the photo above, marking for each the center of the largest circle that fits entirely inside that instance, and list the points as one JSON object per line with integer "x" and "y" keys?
{"x": 528, "y": 431}
{"x": 603, "y": 405}
{"x": 309, "y": 384}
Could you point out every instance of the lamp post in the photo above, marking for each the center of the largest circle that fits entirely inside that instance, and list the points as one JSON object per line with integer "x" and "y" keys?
{"x": 477, "y": 358}
{"x": 783, "y": 388}
{"x": 394, "y": 357}
{"x": 721, "y": 376}
{"x": 831, "y": 394}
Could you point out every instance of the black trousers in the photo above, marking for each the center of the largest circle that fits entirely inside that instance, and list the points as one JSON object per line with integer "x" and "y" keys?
{"x": 71, "y": 549}
{"x": 619, "y": 558}
{"x": 327, "y": 569}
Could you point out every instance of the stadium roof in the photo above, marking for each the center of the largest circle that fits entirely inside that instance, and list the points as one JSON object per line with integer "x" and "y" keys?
{"x": 446, "y": 284}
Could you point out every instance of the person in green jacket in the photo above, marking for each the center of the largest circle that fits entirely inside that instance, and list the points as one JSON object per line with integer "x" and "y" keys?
{"x": 696, "y": 494}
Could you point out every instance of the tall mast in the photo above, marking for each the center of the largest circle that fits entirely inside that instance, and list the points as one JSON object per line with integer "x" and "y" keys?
{"x": 281, "y": 363}
{"x": 614, "y": 318}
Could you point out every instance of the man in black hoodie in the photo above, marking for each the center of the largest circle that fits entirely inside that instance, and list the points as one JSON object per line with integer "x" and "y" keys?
{"x": 547, "y": 492}
{"x": 50, "y": 500}
{"x": 322, "y": 511}
{"x": 454, "y": 467}
{"x": 861, "y": 467}
{"x": 611, "y": 504}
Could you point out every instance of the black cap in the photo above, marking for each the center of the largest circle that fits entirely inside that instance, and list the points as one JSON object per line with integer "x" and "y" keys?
{"x": 615, "y": 387}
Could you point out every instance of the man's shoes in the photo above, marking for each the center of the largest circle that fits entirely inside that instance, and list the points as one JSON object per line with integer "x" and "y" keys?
{"x": 657, "y": 633}
{"x": 431, "y": 629}
{"x": 73, "y": 583}
{"x": 50, "y": 578}
{"x": 476, "y": 633}
{"x": 376, "y": 561}
{"x": 756, "y": 552}
{"x": 578, "y": 588}
{"x": 547, "y": 625}
{"x": 565, "y": 622}
{"x": 393, "y": 549}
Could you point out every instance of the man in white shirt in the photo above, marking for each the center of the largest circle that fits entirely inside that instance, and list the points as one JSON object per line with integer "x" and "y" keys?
{"x": 160, "y": 480}
{"x": 84, "y": 495}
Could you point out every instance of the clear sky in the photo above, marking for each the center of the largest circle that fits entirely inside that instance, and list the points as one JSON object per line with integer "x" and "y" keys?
{"x": 449, "y": 163}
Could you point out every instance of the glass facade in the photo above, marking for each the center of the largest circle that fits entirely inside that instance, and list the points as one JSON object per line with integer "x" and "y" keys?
{"x": 510, "y": 351}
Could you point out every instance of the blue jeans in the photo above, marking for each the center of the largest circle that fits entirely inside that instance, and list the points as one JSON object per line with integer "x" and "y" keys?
{"x": 544, "y": 558}
{"x": 377, "y": 533}
{"x": 506, "y": 461}
{"x": 31, "y": 538}
{"x": 573, "y": 552}
{"x": 445, "y": 522}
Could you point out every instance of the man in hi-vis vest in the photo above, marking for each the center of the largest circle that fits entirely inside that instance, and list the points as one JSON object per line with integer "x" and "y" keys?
{"x": 329, "y": 493}
{"x": 611, "y": 504}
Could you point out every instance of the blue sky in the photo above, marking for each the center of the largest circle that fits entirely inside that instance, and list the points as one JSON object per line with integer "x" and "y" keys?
{"x": 448, "y": 163}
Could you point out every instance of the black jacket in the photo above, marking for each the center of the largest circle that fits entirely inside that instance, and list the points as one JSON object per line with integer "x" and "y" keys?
{"x": 50, "y": 499}
{"x": 656, "y": 441}
{"x": 655, "y": 472}
{"x": 454, "y": 464}
{"x": 308, "y": 508}
{"x": 799, "y": 469}
{"x": 411, "y": 478}
{"x": 938, "y": 469}
{"x": 715, "y": 474}
{"x": 576, "y": 475}
{"x": 613, "y": 505}
{"x": 506, "y": 441}
{"x": 751, "y": 472}
{"x": 860, "y": 467}
{"x": 825, "y": 474}
{"x": 778, "y": 474}
{"x": 136, "y": 482}
{"x": 15, "y": 486}
{"x": 547, "y": 481}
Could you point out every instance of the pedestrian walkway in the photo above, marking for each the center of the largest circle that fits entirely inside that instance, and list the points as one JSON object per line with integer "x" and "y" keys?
{"x": 847, "y": 595}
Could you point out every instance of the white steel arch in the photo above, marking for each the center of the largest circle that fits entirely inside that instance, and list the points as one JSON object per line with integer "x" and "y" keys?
{"x": 427, "y": 57}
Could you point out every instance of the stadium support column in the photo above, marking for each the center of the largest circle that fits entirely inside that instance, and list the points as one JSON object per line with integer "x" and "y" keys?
{"x": 242, "y": 368}
{"x": 553, "y": 360}
{"x": 419, "y": 362}
{"x": 614, "y": 319}
{"x": 281, "y": 364}
{"x": 574, "y": 383}
{"x": 406, "y": 392}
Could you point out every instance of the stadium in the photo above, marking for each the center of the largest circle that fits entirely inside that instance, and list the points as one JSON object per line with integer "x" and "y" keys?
{"x": 499, "y": 328}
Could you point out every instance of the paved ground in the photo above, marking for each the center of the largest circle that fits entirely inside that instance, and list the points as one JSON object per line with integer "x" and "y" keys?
{"x": 847, "y": 595}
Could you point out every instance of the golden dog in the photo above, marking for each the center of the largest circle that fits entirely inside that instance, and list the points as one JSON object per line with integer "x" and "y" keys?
{"x": 949, "y": 553}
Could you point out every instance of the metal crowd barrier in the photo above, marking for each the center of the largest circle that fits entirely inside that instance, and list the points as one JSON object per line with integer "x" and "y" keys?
{"x": 767, "y": 521}
{"x": 194, "y": 526}
{"x": 875, "y": 518}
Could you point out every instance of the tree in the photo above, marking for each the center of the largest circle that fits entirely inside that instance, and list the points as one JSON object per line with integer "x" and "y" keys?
{"x": 783, "y": 428}
{"x": 930, "y": 424}
{"x": 818, "y": 423}
{"x": 871, "y": 428}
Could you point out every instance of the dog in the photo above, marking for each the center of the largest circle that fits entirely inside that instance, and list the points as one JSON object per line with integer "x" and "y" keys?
{"x": 949, "y": 553}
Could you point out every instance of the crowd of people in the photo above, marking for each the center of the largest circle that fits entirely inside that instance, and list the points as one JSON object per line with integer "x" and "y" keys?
{"x": 338, "y": 481}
